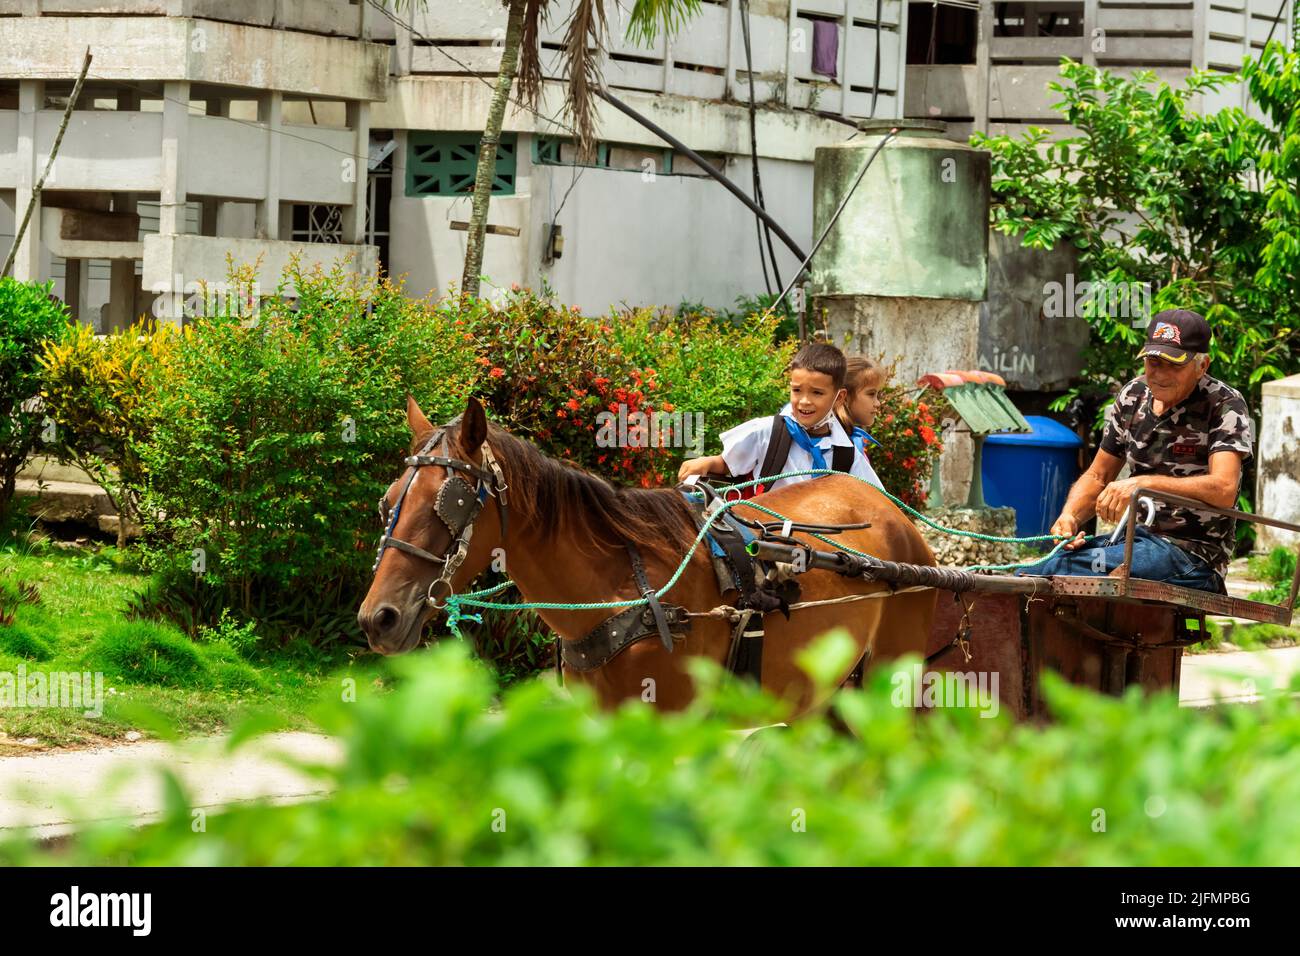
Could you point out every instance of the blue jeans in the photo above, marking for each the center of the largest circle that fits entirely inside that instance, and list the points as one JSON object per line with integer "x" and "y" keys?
{"x": 1154, "y": 558}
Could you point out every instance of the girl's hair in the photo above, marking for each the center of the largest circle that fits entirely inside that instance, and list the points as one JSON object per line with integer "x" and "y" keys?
{"x": 857, "y": 370}
{"x": 821, "y": 357}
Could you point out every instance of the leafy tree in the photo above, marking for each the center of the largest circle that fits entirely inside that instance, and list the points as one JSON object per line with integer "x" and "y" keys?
{"x": 1196, "y": 208}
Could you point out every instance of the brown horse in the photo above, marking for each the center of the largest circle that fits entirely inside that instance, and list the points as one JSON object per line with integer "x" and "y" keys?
{"x": 563, "y": 542}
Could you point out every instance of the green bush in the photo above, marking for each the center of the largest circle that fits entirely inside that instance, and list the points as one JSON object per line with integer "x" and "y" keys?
{"x": 29, "y": 317}
{"x": 1278, "y": 568}
{"x": 725, "y": 373}
{"x": 431, "y": 774}
{"x": 147, "y": 652}
{"x": 274, "y": 439}
{"x": 22, "y": 640}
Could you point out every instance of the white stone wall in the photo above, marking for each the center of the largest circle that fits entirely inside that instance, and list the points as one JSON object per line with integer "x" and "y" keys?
{"x": 629, "y": 236}
{"x": 1278, "y": 477}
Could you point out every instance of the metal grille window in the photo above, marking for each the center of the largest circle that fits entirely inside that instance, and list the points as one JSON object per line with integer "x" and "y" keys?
{"x": 443, "y": 164}
{"x": 557, "y": 151}
{"x": 314, "y": 222}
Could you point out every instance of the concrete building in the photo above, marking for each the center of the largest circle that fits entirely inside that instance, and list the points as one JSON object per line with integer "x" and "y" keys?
{"x": 985, "y": 66}
{"x": 261, "y": 128}
{"x": 185, "y": 145}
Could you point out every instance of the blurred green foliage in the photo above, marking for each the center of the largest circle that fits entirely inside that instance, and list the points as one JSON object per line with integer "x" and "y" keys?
{"x": 433, "y": 773}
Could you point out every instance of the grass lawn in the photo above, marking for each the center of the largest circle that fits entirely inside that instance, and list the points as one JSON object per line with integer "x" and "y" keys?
{"x": 151, "y": 672}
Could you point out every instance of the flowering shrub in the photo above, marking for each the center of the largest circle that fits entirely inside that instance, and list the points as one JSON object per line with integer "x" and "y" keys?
{"x": 550, "y": 371}
{"x": 907, "y": 429}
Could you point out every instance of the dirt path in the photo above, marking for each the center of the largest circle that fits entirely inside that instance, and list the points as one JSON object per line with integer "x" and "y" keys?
{"x": 46, "y": 791}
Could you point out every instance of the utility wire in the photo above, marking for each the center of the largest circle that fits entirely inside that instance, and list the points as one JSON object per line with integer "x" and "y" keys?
{"x": 753, "y": 150}
{"x": 830, "y": 225}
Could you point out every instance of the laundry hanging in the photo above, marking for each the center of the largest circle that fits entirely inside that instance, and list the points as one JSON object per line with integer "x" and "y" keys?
{"x": 826, "y": 48}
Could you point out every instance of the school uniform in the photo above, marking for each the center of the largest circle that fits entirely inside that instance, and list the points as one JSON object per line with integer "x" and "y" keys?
{"x": 744, "y": 449}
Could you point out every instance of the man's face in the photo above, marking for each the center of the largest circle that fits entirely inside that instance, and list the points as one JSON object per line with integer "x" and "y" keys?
{"x": 1172, "y": 382}
{"x": 812, "y": 396}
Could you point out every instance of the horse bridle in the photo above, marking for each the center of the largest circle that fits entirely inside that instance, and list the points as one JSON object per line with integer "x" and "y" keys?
{"x": 457, "y": 505}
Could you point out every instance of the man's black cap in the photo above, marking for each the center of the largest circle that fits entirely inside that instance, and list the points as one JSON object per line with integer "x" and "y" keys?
{"x": 1177, "y": 334}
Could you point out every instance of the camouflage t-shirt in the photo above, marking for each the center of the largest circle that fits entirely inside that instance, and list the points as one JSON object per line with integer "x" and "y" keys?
{"x": 1179, "y": 444}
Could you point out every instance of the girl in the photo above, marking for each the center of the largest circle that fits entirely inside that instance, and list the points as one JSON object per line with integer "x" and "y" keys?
{"x": 863, "y": 380}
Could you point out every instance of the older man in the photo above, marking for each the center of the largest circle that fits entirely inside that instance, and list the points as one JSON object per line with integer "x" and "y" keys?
{"x": 1181, "y": 431}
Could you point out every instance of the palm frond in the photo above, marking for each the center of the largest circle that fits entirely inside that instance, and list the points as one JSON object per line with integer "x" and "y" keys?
{"x": 650, "y": 16}
{"x": 584, "y": 42}
{"x": 530, "y": 51}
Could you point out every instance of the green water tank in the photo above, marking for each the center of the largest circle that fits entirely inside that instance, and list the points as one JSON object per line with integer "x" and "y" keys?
{"x": 917, "y": 224}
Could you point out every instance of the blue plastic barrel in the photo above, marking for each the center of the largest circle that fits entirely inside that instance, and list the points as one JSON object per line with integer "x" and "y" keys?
{"x": 1031, "y": 472}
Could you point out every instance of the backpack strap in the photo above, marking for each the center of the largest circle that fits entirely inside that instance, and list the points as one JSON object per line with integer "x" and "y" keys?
{"x": 842, "y": 458}
{"x": 778, "y": 449}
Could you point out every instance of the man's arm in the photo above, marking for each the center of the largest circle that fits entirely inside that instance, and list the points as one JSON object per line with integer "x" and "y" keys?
{"x": 1218, "y": 488}
{"x": 1083, "y": 498}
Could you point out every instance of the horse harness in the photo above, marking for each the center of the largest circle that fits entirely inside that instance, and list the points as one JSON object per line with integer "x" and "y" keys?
{"x": 760, "y": 587}
{"x": 457, "y": 505}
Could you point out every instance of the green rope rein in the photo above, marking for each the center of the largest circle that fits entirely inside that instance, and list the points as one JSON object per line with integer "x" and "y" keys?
{"x": 455, "y": 602}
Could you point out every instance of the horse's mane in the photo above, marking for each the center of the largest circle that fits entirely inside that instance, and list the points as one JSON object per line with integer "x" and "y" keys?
{"x": 601, "y": 515}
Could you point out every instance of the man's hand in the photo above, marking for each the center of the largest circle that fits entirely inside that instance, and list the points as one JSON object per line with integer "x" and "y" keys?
{"x": 1068, "y": 525}
{"x": 1115, "y": 497}
{"x": 699, "y": 466}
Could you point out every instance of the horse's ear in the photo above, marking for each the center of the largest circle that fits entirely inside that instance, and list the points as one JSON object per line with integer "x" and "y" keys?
{"x": 473, "y": 426}
{"x": 415, "y": 418}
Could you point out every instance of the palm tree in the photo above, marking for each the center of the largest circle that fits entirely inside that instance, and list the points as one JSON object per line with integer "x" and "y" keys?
{"x": 585, "y": 36}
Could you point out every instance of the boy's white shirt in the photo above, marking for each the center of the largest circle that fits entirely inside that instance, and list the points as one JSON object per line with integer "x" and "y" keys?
{"x": 745, "y": 446}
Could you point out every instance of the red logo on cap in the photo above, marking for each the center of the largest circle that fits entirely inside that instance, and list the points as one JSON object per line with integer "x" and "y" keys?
{"x": 1167, "y": 333}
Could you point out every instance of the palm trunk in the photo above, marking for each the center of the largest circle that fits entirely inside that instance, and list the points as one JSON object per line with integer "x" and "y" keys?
{"x": 487, "y": 151}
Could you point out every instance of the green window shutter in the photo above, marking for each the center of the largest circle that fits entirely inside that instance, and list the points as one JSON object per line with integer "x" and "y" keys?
{"x": 444, "y": 164}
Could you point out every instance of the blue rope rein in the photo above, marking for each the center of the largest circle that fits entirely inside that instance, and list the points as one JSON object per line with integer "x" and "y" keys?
{"x": 455, "y": 603}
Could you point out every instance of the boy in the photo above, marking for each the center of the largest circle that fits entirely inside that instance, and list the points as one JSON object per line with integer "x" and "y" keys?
{"x": 815, "y": 433}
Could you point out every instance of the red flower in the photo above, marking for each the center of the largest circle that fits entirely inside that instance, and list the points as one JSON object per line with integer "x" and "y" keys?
{"x": 497, "y": 372}
{"x": 909, "y": 463}
{"x": 560, "y": 413}
{"x": 908, "y": 432}
{"x": 927, "y": 434}
{"x": 483, "y": 361}
{"x": 573, "y": 404}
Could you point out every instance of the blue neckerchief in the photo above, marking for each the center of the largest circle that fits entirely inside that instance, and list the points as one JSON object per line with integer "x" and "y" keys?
{"x": 860, "y": 437}
{"x": 804, "y": 441}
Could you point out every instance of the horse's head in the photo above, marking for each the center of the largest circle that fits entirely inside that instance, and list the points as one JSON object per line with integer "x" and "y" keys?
{"x": 435, "y": 539}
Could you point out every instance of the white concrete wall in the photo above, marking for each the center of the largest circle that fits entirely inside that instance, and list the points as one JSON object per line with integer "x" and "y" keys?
{"x": 1278, "y": 482}
{"x": 628, "y": 236}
